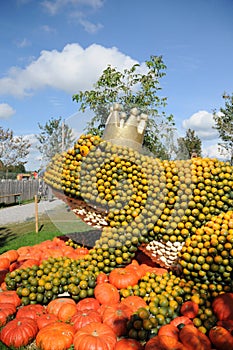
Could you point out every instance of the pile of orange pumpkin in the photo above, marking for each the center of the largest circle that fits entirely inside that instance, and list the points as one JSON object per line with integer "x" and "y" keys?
{"x": 102, "y": 321}
{"x": 28, "y": 256}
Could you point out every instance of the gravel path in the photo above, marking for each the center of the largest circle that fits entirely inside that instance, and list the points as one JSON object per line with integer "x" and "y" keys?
{"x": 24, "y": 212}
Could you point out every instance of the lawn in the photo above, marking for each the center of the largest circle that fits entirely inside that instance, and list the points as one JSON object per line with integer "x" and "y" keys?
{"x": 54, "y": 223}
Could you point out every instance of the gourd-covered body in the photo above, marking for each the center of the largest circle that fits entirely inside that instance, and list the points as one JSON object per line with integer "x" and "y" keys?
{"x": 140, "y": 201}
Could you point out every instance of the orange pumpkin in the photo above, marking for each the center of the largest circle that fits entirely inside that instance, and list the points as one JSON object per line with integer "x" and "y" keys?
{"x": 12, "y": 255}
{"x": 106, "y": 293}
{"x": 223, "y": 306}
{"x": 6, "y": 310}
{"x": 169, "y": 330}
{"x": 56, "y": 335}
{"x": 164, "y": 342}
{"x": 227, "y": 324}
{"x": 180, "y": 321}
{"x": 4, "y": 263}
{"x": 18, "y": 332}
{"x": 84, "y": 317}
{"x": 189, "y": 309}
{"x": 88, "y": 304}
{"x": 31, "y": 311}
{"x": 192, "y": 338}
{"x": 221, "y": 338}
{"x": 128, "y": 344}
{"x": 95, "y": 335}
{"x": 66, "y": 312}
{"x": 134, "y": 302}
{"x": 54, "y": 306}
{"x": 122, "y": 278}
{"x": 45, "y": 319}
{"x": 3, "y": 273}
{"x": 116, "y": 316}
{"x": 10, "y": 296}
{"x": 102, "y": 278}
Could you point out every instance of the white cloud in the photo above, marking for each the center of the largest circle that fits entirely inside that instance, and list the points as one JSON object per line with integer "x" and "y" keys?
{"x": 23, "y": 43}
{"x": 88, "y": 26}
{"x": 54, "y": 6}
{"x": 6, "y": 111}
{"x": 213, "y": 151}
{"x": 70, "y": 70}
{"x": 202, "y": 123}
{"x": 46, "y": 28}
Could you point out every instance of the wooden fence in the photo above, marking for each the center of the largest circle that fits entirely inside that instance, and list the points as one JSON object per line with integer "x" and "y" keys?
{"x": 13, "y": 191}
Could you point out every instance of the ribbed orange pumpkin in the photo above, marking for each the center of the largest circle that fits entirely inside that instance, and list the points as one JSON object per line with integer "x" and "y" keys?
{"x": 31, "y": 311}
{"x": 169, "y": 330}
{"x": 88, "y": 304}
{"x": 12, "y": 255}
{"x": 10, "y": 296}
{"x": 106, "y": 293}
{"x": 45, "y": 319}
{"x": 122, "y": 278}
{"x": 66, "y": 312}
{"x": 221, "y": 338}
{"x": 116, "y": 316}
{"x": 95, "y": 335}
{"x": 134, "y": 302}
{"x": 56, "y": 335}
{"x": 84, "y": 317}
{"x": 128, "y": 344}
{"x": 164, "y": 342}
{"x": 189, "y": 309}
{"x": 192, "y": 338}
{"x": 181, "y": 321}
{"x": 223, "y": 306}
{"x": 4, "y": 263}
{"x": 19, "y": 332}
{"x": 6, "y": 310}
{"x": 54, "y": 306}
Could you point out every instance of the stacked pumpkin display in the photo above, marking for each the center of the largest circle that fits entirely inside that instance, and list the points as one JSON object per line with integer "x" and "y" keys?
{"x": 177, "y": 213}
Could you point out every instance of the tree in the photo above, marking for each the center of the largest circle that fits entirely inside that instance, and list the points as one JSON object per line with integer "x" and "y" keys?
{"x": 13, "y": 149}
{"x": 188, "y": 145}
{"x": 224, "y": 125}
{"x": 130, "y": 89}
{"x": 55, "y": 136}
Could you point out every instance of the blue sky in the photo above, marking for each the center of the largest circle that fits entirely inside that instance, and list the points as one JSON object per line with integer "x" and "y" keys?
{"x": 51, "y": 49}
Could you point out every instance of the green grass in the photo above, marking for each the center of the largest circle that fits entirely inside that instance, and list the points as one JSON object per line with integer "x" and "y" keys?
{"x": 56, "y": 222}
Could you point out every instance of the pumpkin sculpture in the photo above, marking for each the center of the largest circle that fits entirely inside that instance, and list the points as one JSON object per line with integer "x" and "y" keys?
{"x": 160, "y": 204}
